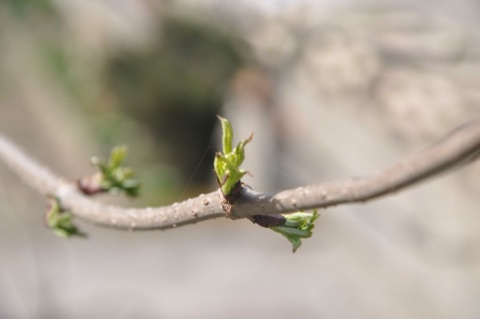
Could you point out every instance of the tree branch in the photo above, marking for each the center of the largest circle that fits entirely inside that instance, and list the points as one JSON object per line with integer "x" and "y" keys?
{"x": 44, "y": 181}
{"x": 457, "y": 148}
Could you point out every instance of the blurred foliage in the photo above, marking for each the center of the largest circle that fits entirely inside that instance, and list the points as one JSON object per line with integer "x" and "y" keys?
{"x": 59, "y": 62}
{"x": 40, "y": 24}
{"x": 24, "y": 8}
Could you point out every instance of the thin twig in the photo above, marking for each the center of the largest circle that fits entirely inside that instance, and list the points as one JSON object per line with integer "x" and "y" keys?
{"x": 47, "y": 183}
{"x": 458, "y": 147}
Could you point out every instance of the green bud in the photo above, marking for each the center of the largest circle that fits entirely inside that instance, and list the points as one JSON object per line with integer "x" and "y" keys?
{"x": 227, "y": 164}
{"x": 60, "y": 221}
{"x": 113, "y": 176}
{"x": 297, "y": 226}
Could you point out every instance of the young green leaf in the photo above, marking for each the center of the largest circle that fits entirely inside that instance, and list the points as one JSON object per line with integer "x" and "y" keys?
{"x": 117, "y": 156}
{"x": 227, "y": 163}
{"x": 113, "y": 176}
{"x": 227, "y": 136}
{"x": 297, "y": 226}
{"x": 60, "y": 221}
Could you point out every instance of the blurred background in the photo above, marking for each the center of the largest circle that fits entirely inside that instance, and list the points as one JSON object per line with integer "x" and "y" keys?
{"x": 331, "y": 89}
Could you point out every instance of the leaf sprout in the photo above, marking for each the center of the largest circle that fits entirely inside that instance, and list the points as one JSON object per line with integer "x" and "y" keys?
{"x": 227, "y": 163}
{"x": 60, "y": 221}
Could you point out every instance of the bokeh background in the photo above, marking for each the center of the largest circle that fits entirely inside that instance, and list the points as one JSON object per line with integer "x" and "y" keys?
{"x": 331, "y": 89}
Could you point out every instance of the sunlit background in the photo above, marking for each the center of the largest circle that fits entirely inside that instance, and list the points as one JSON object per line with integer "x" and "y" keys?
{"x": 331, "y": 89}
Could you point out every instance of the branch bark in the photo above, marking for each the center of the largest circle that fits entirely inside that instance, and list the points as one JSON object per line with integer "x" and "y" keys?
{"x": 457, "y": 148}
